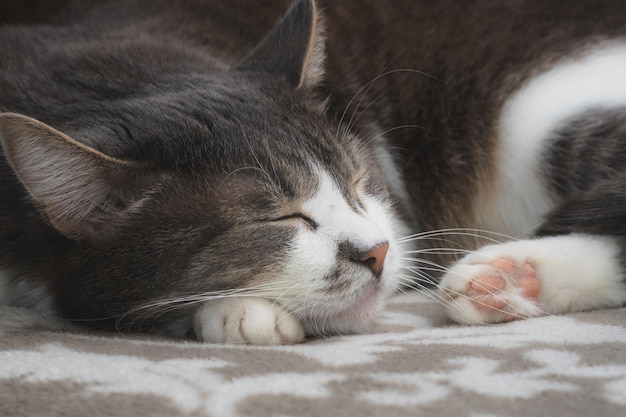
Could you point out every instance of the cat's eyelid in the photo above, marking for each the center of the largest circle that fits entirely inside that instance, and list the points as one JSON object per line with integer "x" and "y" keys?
{"x": 299, "y": 216}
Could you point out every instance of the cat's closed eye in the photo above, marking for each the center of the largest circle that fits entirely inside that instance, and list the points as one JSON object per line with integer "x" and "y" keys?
{"x": 299, "y": 216}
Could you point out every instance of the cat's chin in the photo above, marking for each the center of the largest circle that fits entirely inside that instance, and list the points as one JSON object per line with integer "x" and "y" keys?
{"x": 365, "y": 309}
{"x": 356, "y": 318}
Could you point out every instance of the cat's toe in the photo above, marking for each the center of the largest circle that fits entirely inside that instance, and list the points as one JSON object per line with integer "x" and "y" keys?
{"x": 492, "y": 290}
{"x": 246, "y": 320}
{"x": 264, "y": 322}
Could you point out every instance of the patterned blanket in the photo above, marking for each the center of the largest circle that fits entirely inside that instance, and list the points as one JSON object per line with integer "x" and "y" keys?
{"x": 412, "y": 363}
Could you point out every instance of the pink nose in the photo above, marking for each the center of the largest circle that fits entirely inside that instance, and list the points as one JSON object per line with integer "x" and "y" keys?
{"x": 374, "y": 258}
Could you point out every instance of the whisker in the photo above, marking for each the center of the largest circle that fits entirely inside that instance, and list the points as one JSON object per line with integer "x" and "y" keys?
{"x": 373, "y": 138}
{"x": 409, "y": 281}
{"x": 362, "y": 92}
{"x": 438, "y": 267}
{"x": 468, "y": 232}
{"x": 163, "y": 306}
{"x": 436, "y": 251}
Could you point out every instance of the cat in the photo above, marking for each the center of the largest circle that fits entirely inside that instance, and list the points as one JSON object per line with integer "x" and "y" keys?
{"x": 196, "y": 169}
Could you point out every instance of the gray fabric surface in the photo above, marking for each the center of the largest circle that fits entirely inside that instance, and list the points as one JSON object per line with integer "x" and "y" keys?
{"x": 411, "y": 363}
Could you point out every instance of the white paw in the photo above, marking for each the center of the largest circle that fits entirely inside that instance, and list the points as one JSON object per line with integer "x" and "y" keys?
{"x": 527, "y": 278}
{"x": 246, "y": 320}
{"x": 491, "y": 286}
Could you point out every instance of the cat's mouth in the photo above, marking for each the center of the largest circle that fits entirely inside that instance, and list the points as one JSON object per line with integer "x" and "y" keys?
{"x": 351, "y": 316}
{"x": 365, "y": 308}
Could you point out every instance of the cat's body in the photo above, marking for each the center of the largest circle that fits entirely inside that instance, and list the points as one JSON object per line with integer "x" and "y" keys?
{"x": 297, "y": 171}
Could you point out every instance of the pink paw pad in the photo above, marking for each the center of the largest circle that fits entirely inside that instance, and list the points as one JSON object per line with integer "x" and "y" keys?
{"x": 489, "y": 289}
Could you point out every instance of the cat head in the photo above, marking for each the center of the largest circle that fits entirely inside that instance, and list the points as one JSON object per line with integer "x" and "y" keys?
{"x": 205, "y": 185}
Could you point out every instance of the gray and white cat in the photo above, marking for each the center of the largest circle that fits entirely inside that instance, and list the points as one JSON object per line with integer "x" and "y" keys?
{"x": 183, "y": 167}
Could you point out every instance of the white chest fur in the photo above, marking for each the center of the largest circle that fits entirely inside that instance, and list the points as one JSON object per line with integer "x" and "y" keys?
{"x": 594, "y": 80}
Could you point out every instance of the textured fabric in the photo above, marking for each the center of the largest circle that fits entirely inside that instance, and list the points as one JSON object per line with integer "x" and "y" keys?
{"x": 412, "y": 363}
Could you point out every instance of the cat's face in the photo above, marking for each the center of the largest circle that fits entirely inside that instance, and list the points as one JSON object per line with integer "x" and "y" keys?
{"x": 201, "y": 186}
{"x": 311, "y": 221}
{"x": 288, "y": 208}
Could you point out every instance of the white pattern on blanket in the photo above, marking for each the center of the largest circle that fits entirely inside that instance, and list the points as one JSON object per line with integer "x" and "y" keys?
{"x": 572, "y": 365}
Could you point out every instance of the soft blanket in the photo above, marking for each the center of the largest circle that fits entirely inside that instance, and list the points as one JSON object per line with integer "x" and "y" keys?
{"x": 411, "y": 363}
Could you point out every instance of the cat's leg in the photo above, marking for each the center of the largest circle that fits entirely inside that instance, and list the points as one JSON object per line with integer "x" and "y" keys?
{"x": 528, "y": 278}
{"x": 246, "y": 320}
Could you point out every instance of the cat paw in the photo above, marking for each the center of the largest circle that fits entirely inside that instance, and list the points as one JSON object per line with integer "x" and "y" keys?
{"x": 246, "y": 320}
{"x": 490, "y": 287}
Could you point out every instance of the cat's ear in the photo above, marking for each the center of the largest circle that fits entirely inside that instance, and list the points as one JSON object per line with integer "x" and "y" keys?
{"x": 294, "y": 49}
{"x": 79, "y": 190}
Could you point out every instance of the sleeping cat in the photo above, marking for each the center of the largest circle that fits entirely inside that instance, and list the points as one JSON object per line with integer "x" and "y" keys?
{"x": 197, "y": 169}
